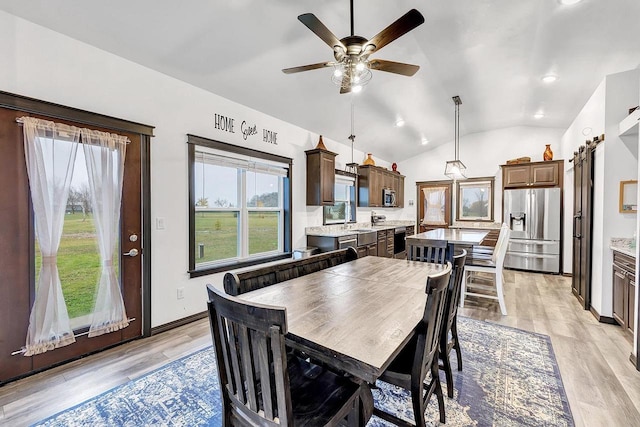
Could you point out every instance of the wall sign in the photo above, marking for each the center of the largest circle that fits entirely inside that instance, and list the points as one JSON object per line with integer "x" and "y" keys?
{"x": 248, "y": 130}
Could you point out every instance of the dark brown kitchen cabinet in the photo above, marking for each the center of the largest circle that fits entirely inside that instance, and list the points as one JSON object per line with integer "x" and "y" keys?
{"x": 362, "y": 251}
{"x": 382, "y": 246}
{"x": 624, "y": 289}
{"x": 372, "y": 249}
{"x": 372, "y": 180}
{"x": 536, "y": 174}
{"x": 411, "y": 230}
{"x": 321, "y": 165}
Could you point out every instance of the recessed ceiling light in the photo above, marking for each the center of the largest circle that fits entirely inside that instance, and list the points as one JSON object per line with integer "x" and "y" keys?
{"x": 587, "y": 131}
{"x": 569, "y": 2}
{"x": 425, "y": 141}
{"x": 538, "y": 115}
{"x": 399, "y": 123}
{"x": 549, "y": 78}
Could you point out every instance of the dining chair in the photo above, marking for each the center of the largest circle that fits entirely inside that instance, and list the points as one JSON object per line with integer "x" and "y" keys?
{"x": 262, "y": 384}
{"x": 450, "y": 321}
{"x": 493, "y": 268}
{"x": 420, "y": 356}
{"x": 427, "y": 250}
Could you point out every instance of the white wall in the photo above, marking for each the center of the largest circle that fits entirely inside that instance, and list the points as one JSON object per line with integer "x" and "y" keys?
{"x": 482, "y": 153}
{"x": 614, "y": 161}
{"x": 42, "y": 64}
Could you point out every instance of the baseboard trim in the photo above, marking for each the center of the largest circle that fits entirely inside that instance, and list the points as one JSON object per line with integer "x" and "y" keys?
{"x": 176, "y": 323}
{"x": 634, "y": 361}
{"x": 567, "y": 274}
{"x": 602, "y": 319}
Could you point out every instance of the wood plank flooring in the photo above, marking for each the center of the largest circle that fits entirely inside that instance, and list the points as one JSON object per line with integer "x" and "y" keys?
{"x": 603, "y": 387}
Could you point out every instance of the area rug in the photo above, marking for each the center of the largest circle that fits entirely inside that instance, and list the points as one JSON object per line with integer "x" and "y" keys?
{"x": 510, "y": 378}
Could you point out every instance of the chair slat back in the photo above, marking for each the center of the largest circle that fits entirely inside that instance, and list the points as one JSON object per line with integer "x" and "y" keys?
{"x": 427, "y": 250}
{"x": 428, "y": 330}
{"x": 453, "y": 292}
{"x": 251, "y": 357}
{"x": 502, "y": 245}
{"x": 247, "y": 280}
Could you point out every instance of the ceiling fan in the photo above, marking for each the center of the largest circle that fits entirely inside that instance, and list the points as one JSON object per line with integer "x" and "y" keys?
{"x": 352, "y": 64}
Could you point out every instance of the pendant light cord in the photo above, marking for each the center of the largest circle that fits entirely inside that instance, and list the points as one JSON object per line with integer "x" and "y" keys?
{"x": 352, "y": 137}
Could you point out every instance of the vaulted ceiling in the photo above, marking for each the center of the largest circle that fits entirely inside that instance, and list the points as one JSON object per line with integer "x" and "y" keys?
{"x": 492, "y": 53}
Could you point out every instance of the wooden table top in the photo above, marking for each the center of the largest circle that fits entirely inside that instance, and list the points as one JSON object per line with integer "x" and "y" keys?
{"x": 451, "y": 235}
{"x": 356, "y": 316}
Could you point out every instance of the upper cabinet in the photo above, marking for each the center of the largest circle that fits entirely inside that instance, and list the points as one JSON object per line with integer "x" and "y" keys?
{"x": 372, "y": 180}
{"x": 321, "y": 165}
{"x": 535, "y": 174}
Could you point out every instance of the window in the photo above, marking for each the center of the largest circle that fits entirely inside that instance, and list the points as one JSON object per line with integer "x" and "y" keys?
{"x": 344, "y": 207}
{"x": 475, "y": 199}
{"x": 239, "y": 205}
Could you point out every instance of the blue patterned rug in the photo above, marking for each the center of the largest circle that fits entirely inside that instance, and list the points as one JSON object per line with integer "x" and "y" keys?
{"x": 510, "y": 378}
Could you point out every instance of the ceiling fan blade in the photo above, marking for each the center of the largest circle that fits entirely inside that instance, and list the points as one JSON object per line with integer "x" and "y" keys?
{"x": 400, "y": 27}
{"x": 320, "y": 30}
{"x": 393, "y": 67}
{"x": 307, "y": 67}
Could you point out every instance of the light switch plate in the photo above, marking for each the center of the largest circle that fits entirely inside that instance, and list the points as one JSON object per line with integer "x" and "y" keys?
{"x": 159, "y": 223}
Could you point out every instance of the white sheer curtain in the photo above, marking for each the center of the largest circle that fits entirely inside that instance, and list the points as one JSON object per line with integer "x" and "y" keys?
{"x": 434, "y": 200}
{"x": 50, "y": 152}
{"x": 104, "y": 154}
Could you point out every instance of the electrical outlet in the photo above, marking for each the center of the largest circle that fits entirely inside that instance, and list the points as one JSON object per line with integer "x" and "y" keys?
{"x": 180, "y": 293}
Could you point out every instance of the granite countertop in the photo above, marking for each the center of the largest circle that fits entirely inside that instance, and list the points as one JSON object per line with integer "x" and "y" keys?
{"x": 623, "y": 245}
{"x": 340, "y": 230}
{"x": 476, "y": 225}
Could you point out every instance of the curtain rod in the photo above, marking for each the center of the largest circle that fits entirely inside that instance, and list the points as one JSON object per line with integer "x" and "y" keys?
{"x": 23, "y": 350}
{"x": 128, "y": 141}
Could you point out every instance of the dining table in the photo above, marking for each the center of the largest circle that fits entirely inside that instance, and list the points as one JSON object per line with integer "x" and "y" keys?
{"x": 453, "y": 236}
{"x": 354, "y": 317}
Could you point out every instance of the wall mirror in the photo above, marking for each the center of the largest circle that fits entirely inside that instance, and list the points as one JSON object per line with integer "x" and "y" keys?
{"x": 629, "y": 196}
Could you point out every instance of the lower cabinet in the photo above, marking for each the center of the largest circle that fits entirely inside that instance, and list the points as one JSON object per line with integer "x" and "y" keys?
{"x": 624, "y": 290}
{"x": 382, "y": 243}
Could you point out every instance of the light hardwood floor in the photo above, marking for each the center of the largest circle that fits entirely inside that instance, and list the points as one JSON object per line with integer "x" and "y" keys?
{"x": 603, "y": 387}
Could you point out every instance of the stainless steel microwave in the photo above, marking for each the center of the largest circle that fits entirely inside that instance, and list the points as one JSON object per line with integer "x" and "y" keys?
{"x": 388, "y": 197}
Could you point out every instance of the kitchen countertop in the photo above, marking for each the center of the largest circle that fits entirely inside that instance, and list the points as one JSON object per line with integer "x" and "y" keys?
{"x": 339, "y": 230}
{"x": 623, "y": 245}
{"x": 454, "y": 236}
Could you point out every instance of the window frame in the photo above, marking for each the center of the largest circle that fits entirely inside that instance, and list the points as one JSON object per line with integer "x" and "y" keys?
{"x": 285, "y": 237}
{"x": 479, "y": 182}
{"x": 352, "y": 204}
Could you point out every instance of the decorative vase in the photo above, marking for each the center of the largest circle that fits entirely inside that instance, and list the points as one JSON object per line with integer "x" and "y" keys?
{"x": 320, "y": 145}
{"x": 548, "y": 154}
{"x": 394, "y": 167}
{"x": 369, "y": 160}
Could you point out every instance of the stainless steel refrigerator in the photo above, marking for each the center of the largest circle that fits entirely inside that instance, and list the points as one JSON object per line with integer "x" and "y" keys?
{"x": 534, "y": 217}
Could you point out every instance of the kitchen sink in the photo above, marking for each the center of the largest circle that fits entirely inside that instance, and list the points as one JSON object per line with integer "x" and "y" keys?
{"x": 366, "y": 236}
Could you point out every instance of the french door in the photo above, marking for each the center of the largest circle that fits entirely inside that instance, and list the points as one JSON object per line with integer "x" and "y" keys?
{"x": 78, "y": 257}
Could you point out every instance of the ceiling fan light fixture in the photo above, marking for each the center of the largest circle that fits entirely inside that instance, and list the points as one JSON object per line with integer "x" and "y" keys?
{"x": 356, "y": 89}
{"x": 337, "y": 73}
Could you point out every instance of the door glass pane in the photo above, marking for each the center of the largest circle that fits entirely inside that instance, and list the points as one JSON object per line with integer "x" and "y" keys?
{"x": 263, "y": 231}
{"x": 78, "y": 257}
{"x": 216, "y": 236}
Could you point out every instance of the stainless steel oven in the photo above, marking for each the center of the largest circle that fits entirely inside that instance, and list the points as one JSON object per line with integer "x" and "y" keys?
{"x": 399, "y": 244}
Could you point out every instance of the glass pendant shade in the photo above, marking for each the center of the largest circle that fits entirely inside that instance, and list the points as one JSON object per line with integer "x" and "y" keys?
{"x": 455, "y": 170}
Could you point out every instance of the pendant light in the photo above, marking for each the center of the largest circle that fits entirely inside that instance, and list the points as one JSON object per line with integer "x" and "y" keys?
{"x": 455, "y": 169}
{"x": 352, "y": 167}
